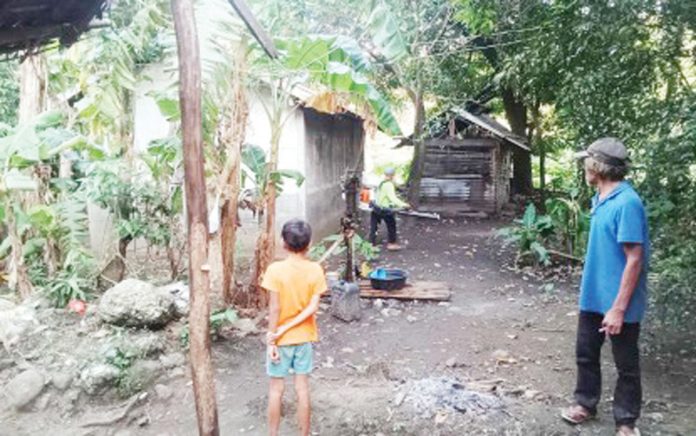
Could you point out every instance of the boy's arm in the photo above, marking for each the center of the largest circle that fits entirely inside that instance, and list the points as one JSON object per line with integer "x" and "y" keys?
{"x": 308, "y": 311}
{"x": 273, "y": 314}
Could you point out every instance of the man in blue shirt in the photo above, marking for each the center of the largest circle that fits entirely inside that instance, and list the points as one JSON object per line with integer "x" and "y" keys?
{"x": 614, "y": 288}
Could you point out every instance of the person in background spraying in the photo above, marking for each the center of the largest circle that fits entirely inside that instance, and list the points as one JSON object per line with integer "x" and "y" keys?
{"x": 383, "y": 209}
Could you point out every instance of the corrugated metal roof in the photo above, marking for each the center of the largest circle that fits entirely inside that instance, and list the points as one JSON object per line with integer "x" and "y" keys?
{"x": 439, "y": 127}
{"x": 489, "y": 124}
{"x": 26, "y": 25}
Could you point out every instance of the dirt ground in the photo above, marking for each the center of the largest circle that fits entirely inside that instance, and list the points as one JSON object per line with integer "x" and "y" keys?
{"x": 505, "y": 341}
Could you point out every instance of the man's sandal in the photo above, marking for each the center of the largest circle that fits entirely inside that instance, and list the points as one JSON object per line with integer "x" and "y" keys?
{"x": 627, "y": 431}
{"x": 577, "y": 415}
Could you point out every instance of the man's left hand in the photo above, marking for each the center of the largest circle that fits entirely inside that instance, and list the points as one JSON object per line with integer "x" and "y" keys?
{"x": 612, "y": 322}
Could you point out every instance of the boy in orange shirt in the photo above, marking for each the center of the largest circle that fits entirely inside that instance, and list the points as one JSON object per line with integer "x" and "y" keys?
{"x": 295, "y": 286}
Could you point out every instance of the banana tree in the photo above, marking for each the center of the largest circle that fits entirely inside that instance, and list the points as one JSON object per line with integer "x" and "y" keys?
{"x": 328, "y": 64}
{"x": 255, "y": 171}
{"x": 29, "y": 146}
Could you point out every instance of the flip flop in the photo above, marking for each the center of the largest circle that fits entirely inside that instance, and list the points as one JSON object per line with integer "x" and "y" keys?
{"x": 635, "y": 432}
{"x": 576, "y": 415}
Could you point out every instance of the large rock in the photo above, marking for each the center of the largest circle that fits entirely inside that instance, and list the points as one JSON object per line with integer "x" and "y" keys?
{"x": 15, "y": 321}
{"x": 24, "y": 388}
{"x": 135, "y": 303}
{"x": 143, "y": 374}
{"x": 98, "y": 377}
{"x": 181, "y": 294}
{"x": 173, "y": 360}
{"x": 146, "y": 345}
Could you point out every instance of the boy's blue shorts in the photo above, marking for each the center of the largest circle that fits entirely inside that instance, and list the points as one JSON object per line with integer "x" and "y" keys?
{"x": 294, "y": 359}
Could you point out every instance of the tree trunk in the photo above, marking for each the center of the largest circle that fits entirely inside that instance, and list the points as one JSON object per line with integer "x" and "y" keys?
{"x": 516, "y": 114}
{"x": 538, "y": 143}
{"x": 32, "y": 92}
{"x": 197, "y": 216}
{"x": 125, "y": 129}
{"x": 234, "y": 130}
{"x": 18, "y": 279}
{"x": 265, "y": 247}
{"x": 416, "y": 172}
{"x": 32, "y": 88}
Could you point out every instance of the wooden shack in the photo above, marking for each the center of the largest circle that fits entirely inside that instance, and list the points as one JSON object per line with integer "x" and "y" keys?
{"x": 467, "y": 164}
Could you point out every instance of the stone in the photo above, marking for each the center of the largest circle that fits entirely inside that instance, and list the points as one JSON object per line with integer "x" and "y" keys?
{"x": 135, "y": 303}
{"x": 24, "y": 388}
{"x": 6, "y": 305}
{"x": 98, "y": 377}
{"x": 400, "y": 397}
{"x": 181, "y": 293}
{"x": 144, "y": 421}
{"x": 43, "y": 401}
{"x": 655, "y": 417}
{"x": 530, "y": 394}
{"x": 345, "y": 301}
{"x": 73, "y": 395}
{"x": 15, "y": 322}
{"x": 148, "y": 345}
{"x": 451, "y": 362}
{"x": 501, "y": 355}
{"x": 172, "y": 360}
{"x": 144, "y": 373}
{"x": 244, "y": 327}
{"x": 6, "y": 364}
{"x": 62, "y": 380}
{"x": 177, "y": 373}
{"x": 163, "y": 392}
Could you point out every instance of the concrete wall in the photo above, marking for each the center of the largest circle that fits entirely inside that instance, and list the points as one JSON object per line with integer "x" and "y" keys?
{"x": 320, "y": 146}
{"x": 291, "y": 203}
{"x": 333, "y": 145}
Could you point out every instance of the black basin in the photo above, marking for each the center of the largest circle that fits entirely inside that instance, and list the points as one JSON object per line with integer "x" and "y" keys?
{"x": 388, "y": 279}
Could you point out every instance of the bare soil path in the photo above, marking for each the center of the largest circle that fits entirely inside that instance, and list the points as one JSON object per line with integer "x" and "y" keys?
{"x": 506, "y": 335}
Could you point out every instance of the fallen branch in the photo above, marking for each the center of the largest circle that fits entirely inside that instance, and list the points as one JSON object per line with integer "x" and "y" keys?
{"x": 331, "y": 249}
{"x": 565, "y": 256}
{"x": 109, "y": 420}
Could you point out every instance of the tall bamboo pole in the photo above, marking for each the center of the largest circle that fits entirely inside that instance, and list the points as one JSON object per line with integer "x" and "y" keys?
{"x": 197, "y": 216}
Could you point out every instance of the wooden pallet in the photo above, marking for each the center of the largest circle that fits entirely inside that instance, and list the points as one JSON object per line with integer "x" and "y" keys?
{"x": 437, "y": 291}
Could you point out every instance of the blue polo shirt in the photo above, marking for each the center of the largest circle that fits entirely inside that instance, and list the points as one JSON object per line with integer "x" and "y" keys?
{"x": 617, "y": 219}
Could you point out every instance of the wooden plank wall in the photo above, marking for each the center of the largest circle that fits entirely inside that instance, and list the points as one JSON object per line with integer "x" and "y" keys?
{"x": 461, "y": 175}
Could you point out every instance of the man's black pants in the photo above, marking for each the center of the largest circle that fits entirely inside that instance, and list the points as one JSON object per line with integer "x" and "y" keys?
{"x": 628, "y": 392}
{"x": 378, "y": 215}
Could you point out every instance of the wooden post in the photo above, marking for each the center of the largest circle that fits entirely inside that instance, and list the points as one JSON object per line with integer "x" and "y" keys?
{"x": 255, "y": 28}
{"x": 197, "y": 216}
{"x": 349, "y": 222}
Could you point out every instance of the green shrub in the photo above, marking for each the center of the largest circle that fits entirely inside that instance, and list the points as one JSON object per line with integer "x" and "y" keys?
{"x": 571, "y": 222}
{"x": 218, "y": 320}
{"x": 530, "y": 234}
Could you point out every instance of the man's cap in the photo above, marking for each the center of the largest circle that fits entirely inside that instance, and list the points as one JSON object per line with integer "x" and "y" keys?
{"x": 610, "y": 151}
{"x": 389, "y": 171}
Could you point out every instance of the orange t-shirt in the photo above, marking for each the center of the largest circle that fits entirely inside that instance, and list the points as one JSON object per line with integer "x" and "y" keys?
{"x": 296, "y": 281}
